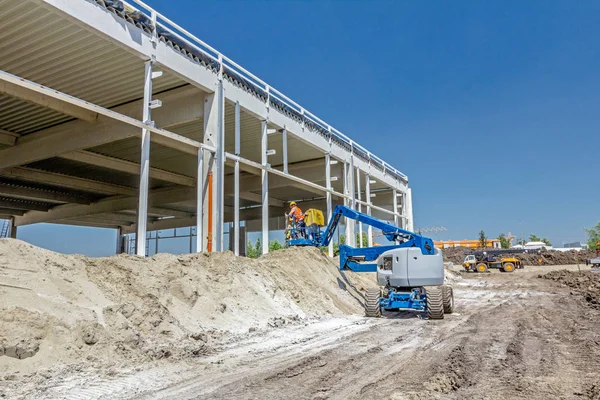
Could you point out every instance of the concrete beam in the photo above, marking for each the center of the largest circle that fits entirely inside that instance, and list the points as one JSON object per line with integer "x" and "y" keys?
{"x": 99, "y": 160}
{"x": 43, "y": 100}
{"x": 71, "y": 182}
{"x": 110, "y": 204}
{"x": 39, "y": 194}
{"x": 257, "y": 198}
{"x": 22, "y": 205}
{"x": 179, "y": 106}
{"x": 88, "y": 224}
{"x": 11, "y": 212}
{"x": 168, "y": 212}
{"x": 8, "y": 138}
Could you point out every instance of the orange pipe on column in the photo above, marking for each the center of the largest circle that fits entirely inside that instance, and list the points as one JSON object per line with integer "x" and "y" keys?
{"x": 210, "y": 212}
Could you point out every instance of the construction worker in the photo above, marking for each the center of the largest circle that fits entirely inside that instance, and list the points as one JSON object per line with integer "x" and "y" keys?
{"x": 297, "y": 217}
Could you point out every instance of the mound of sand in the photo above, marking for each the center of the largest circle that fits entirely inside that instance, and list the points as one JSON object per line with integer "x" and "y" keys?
{"x": 116, "y": 311}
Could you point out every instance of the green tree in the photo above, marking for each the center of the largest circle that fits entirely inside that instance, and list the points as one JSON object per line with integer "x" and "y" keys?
{"x": 365, "y": 239}
{"x": 521, "y": 241}
{"x": 275, "y": 245}
{"x": 251, "y": 250}
{"x": 482, "y": 239}
{"x": 535, "y": 238}
{"x": 504, "y": 242}
{"x": 258, "y": 247}
{"x": 593, "y": 237}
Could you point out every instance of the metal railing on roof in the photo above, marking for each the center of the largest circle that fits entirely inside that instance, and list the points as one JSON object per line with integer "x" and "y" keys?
{"x": 166, "y": 30}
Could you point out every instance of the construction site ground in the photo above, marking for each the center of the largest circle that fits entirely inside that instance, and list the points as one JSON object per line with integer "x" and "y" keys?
{"x": 301, "y": 335}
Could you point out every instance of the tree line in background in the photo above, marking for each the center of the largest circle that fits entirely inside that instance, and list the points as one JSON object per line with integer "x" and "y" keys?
{"x": 505, "y": 242}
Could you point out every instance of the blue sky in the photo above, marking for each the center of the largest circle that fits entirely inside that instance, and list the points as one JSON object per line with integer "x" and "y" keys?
{"x": 490, "y": 108}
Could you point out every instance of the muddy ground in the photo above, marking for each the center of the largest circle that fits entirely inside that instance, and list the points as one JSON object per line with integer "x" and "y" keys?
{"x": 512, "y": 336}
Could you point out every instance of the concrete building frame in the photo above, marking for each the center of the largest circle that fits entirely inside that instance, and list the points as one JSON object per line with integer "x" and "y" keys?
{"x": 208, "y": 142}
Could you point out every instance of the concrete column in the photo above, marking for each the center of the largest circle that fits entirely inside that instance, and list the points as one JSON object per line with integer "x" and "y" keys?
{"x": 395, "y": 206}
{"x": 328, "y": 196}
{"x": 209, "y": 165}
{"x": 236, "y": 184}
{"x": 142, "y": 211}
{"x": 13, "y": 228}
{"x": 410, "y": 222}
{"x": 265, "y": 189}
{"x": 200, "y": 202}
{"x": 359, "y": 206}
{"x": 219, "y": 182}
{"x": 285, "y": 150}
{"x": 368, "y": 196}
{"x": 119, "y": 249}
{"x": 350, "y": 224}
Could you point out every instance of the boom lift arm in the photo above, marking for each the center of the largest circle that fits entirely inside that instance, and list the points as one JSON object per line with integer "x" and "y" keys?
{"x": 353, "y": 258}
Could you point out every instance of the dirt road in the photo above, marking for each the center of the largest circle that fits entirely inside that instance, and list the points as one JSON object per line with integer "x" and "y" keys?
{"x": 512, "y": 336}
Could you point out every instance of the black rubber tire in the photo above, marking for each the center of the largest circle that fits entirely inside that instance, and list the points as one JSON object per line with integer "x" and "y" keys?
{"x": 435, "y": 302}
{"x": 372, "y": 306}
{"x": 508, "y": 267}
{"x": 481, "y": 267}
{"x": 448, "y": 296}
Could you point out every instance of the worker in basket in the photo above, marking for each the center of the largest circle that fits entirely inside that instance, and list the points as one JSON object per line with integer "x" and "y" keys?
{"x": 296, "y": 216}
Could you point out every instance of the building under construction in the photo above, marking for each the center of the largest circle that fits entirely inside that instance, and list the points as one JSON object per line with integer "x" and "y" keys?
{"x": 113, "y": 116}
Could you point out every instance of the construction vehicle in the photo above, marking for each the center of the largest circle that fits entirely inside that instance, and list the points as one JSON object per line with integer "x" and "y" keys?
{"x": 484, "y": 260}
{"x": 410, "y": 272}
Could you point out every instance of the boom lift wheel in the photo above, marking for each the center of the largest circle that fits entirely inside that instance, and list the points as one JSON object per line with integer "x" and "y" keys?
{"x": 435, "y": 302}
{"x": 508, "y": 267}
{"x": 372, "y": 306}
{"x": 448, "y": 296}
{"x": 481, "y": 267}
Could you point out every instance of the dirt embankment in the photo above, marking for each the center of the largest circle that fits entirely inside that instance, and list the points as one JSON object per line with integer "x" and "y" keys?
{"x": 585, "y": 282}
{"x": 548, "y": 257}
{"x": 58, "y": 310}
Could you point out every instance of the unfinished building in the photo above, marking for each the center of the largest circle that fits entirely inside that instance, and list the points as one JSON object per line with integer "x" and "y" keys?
{"x": 113, "y": 116}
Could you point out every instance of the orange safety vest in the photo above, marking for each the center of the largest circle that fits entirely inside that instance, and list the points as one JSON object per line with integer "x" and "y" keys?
{"x": 297, "y": 213}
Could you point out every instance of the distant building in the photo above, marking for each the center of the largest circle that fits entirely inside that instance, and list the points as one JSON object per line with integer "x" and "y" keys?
{"x": 444, "y": 244}
{"x": 575, "y": 245}
{"x": 536, "y": 246}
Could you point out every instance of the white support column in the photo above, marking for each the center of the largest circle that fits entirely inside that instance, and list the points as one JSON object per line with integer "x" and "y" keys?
{"x": 265, "y": 189}
{"x": 359, "y": 207}
{"x": 236, "y": 184}
{"x": 368, "y": 200}
{"x": 220, "y": 181}
{"x": 285, "y": 150}
{"x": 328, "y": 196}
{"x": 119, "y": 248}
{"x": 200, "y": 203}
{"x": 142, "y": 211}
{"x": 410, "y": 222}
{"x": 350, "y": 224}
{"x": 13, "y": 228}
{"x": 395, "y": 206}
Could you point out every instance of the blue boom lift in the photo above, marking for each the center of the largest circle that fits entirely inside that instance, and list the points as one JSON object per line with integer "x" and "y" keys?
{"x": 410, "y": 272}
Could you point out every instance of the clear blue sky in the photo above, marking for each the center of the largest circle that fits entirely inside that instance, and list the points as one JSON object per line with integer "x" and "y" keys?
{"x": 490, "y": 108}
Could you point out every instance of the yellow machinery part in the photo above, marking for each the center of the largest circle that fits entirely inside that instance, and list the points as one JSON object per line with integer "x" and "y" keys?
{"x": 314, "y": 216}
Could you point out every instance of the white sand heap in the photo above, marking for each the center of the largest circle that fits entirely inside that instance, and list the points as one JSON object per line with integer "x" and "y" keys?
{"x": 57, "y": 309}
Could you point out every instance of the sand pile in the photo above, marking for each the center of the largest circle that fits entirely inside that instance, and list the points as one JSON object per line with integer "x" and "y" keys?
{"x": 456, "y": 255}
{"x": 585, "y": 282}
{"x": 115, "y": 311}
